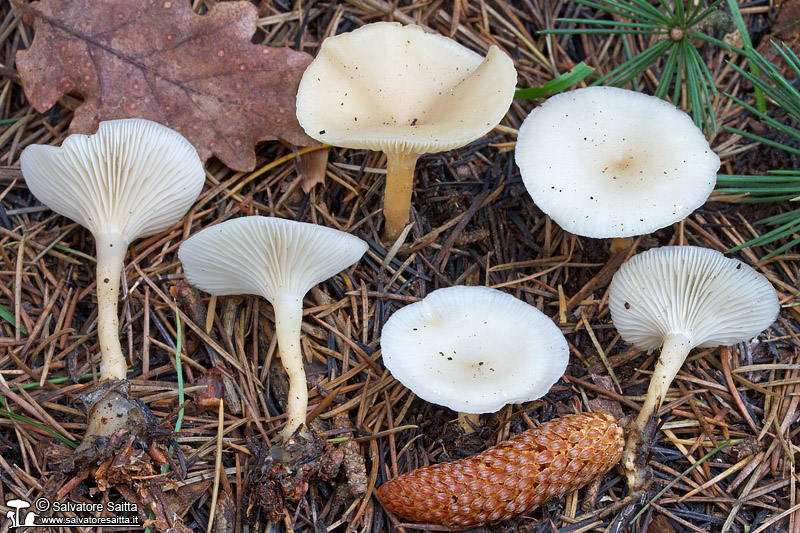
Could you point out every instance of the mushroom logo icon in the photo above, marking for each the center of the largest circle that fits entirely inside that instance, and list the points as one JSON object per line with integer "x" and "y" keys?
{"x": 13, "y": 514}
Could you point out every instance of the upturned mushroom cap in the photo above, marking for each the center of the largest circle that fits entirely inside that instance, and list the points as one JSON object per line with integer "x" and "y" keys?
{"x": 266, "y": 256}
{"x": 397, "y": 89}
{"x": 709, "y": 299}
{"x": 133, "y": 176}
{"x": 474, "y": 349}
{"x": 607, "y": 162}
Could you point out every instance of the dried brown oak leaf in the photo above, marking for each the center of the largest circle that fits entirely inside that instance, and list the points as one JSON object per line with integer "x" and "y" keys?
{"x": 157, "y": 59}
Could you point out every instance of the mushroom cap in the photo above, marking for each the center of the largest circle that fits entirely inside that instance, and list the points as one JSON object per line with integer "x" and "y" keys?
{"x": 17, "y": 504}
{"x": 708, "y": 298}
{"x": 267, "y": 256}
{"x": 397, "y": 89}
{"x": 133, "y": 176}
{"x": 607, "y": 162}
{"x": 474, "y": 349}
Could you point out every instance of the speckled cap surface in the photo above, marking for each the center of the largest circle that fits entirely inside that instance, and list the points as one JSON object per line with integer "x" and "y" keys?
{"x": 398, "y": 89}
{"x": 607, "y": 162}
{"x": 474, "y": 349}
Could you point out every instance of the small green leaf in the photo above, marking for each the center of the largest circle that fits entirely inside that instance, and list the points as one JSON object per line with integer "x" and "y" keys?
{"x": 8, "y": 316}
{"x": 561, "y": 83}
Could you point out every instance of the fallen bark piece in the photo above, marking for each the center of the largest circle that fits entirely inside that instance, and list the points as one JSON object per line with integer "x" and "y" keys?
{"x": 511, "y": 478}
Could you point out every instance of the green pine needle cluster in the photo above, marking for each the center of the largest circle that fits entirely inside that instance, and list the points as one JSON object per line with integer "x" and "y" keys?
{"x": 673, "y": 29}
{"x": 778, "y": 185}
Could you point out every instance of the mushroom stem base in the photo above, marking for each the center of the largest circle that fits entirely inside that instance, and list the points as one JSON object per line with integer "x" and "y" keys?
{"x": 673, "y": 353}
{"x": 110, "y": 409}
{"x": 620, "y": 243}
{"x": 397, "y": 196}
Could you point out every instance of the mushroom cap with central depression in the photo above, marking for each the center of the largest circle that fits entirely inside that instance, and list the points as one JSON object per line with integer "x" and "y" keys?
{"x": 474, "y": 349}
{"x": 607, "y": 162}
{"x": 397, "y": 89}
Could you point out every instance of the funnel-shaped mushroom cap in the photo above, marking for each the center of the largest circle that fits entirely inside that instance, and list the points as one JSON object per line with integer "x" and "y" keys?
{"x": 606, "y": 162}
{"x": 709, "y": 299}
{"x": 133, "y": 176}
{"x": 267, "y": 256}
{"x": 474, "y": 349}
{"x": 397, "y": 89}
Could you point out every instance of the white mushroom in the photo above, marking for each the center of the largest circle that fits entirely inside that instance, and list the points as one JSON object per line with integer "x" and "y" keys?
{"x": 131, "y": 179}
{"x": 474, "y": 349}
{"x": 404, "y": 92}
{"x": 279, "y": 260}
{"x": 683, "y": 297}
{"x": 607, "y": 162}
{"x": 15, "y": 504}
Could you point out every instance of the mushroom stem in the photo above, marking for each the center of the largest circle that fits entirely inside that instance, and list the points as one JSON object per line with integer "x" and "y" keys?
{"x": 288, "y": 320}
{"x": 111, "y": 248}
{"x": 673, "y": 353}
{"x": 621, "y": 243}
{"x": 397, "y": 196}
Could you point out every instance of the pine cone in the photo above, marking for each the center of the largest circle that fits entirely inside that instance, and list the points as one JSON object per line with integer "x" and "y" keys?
{"x": 511, "y": 478}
